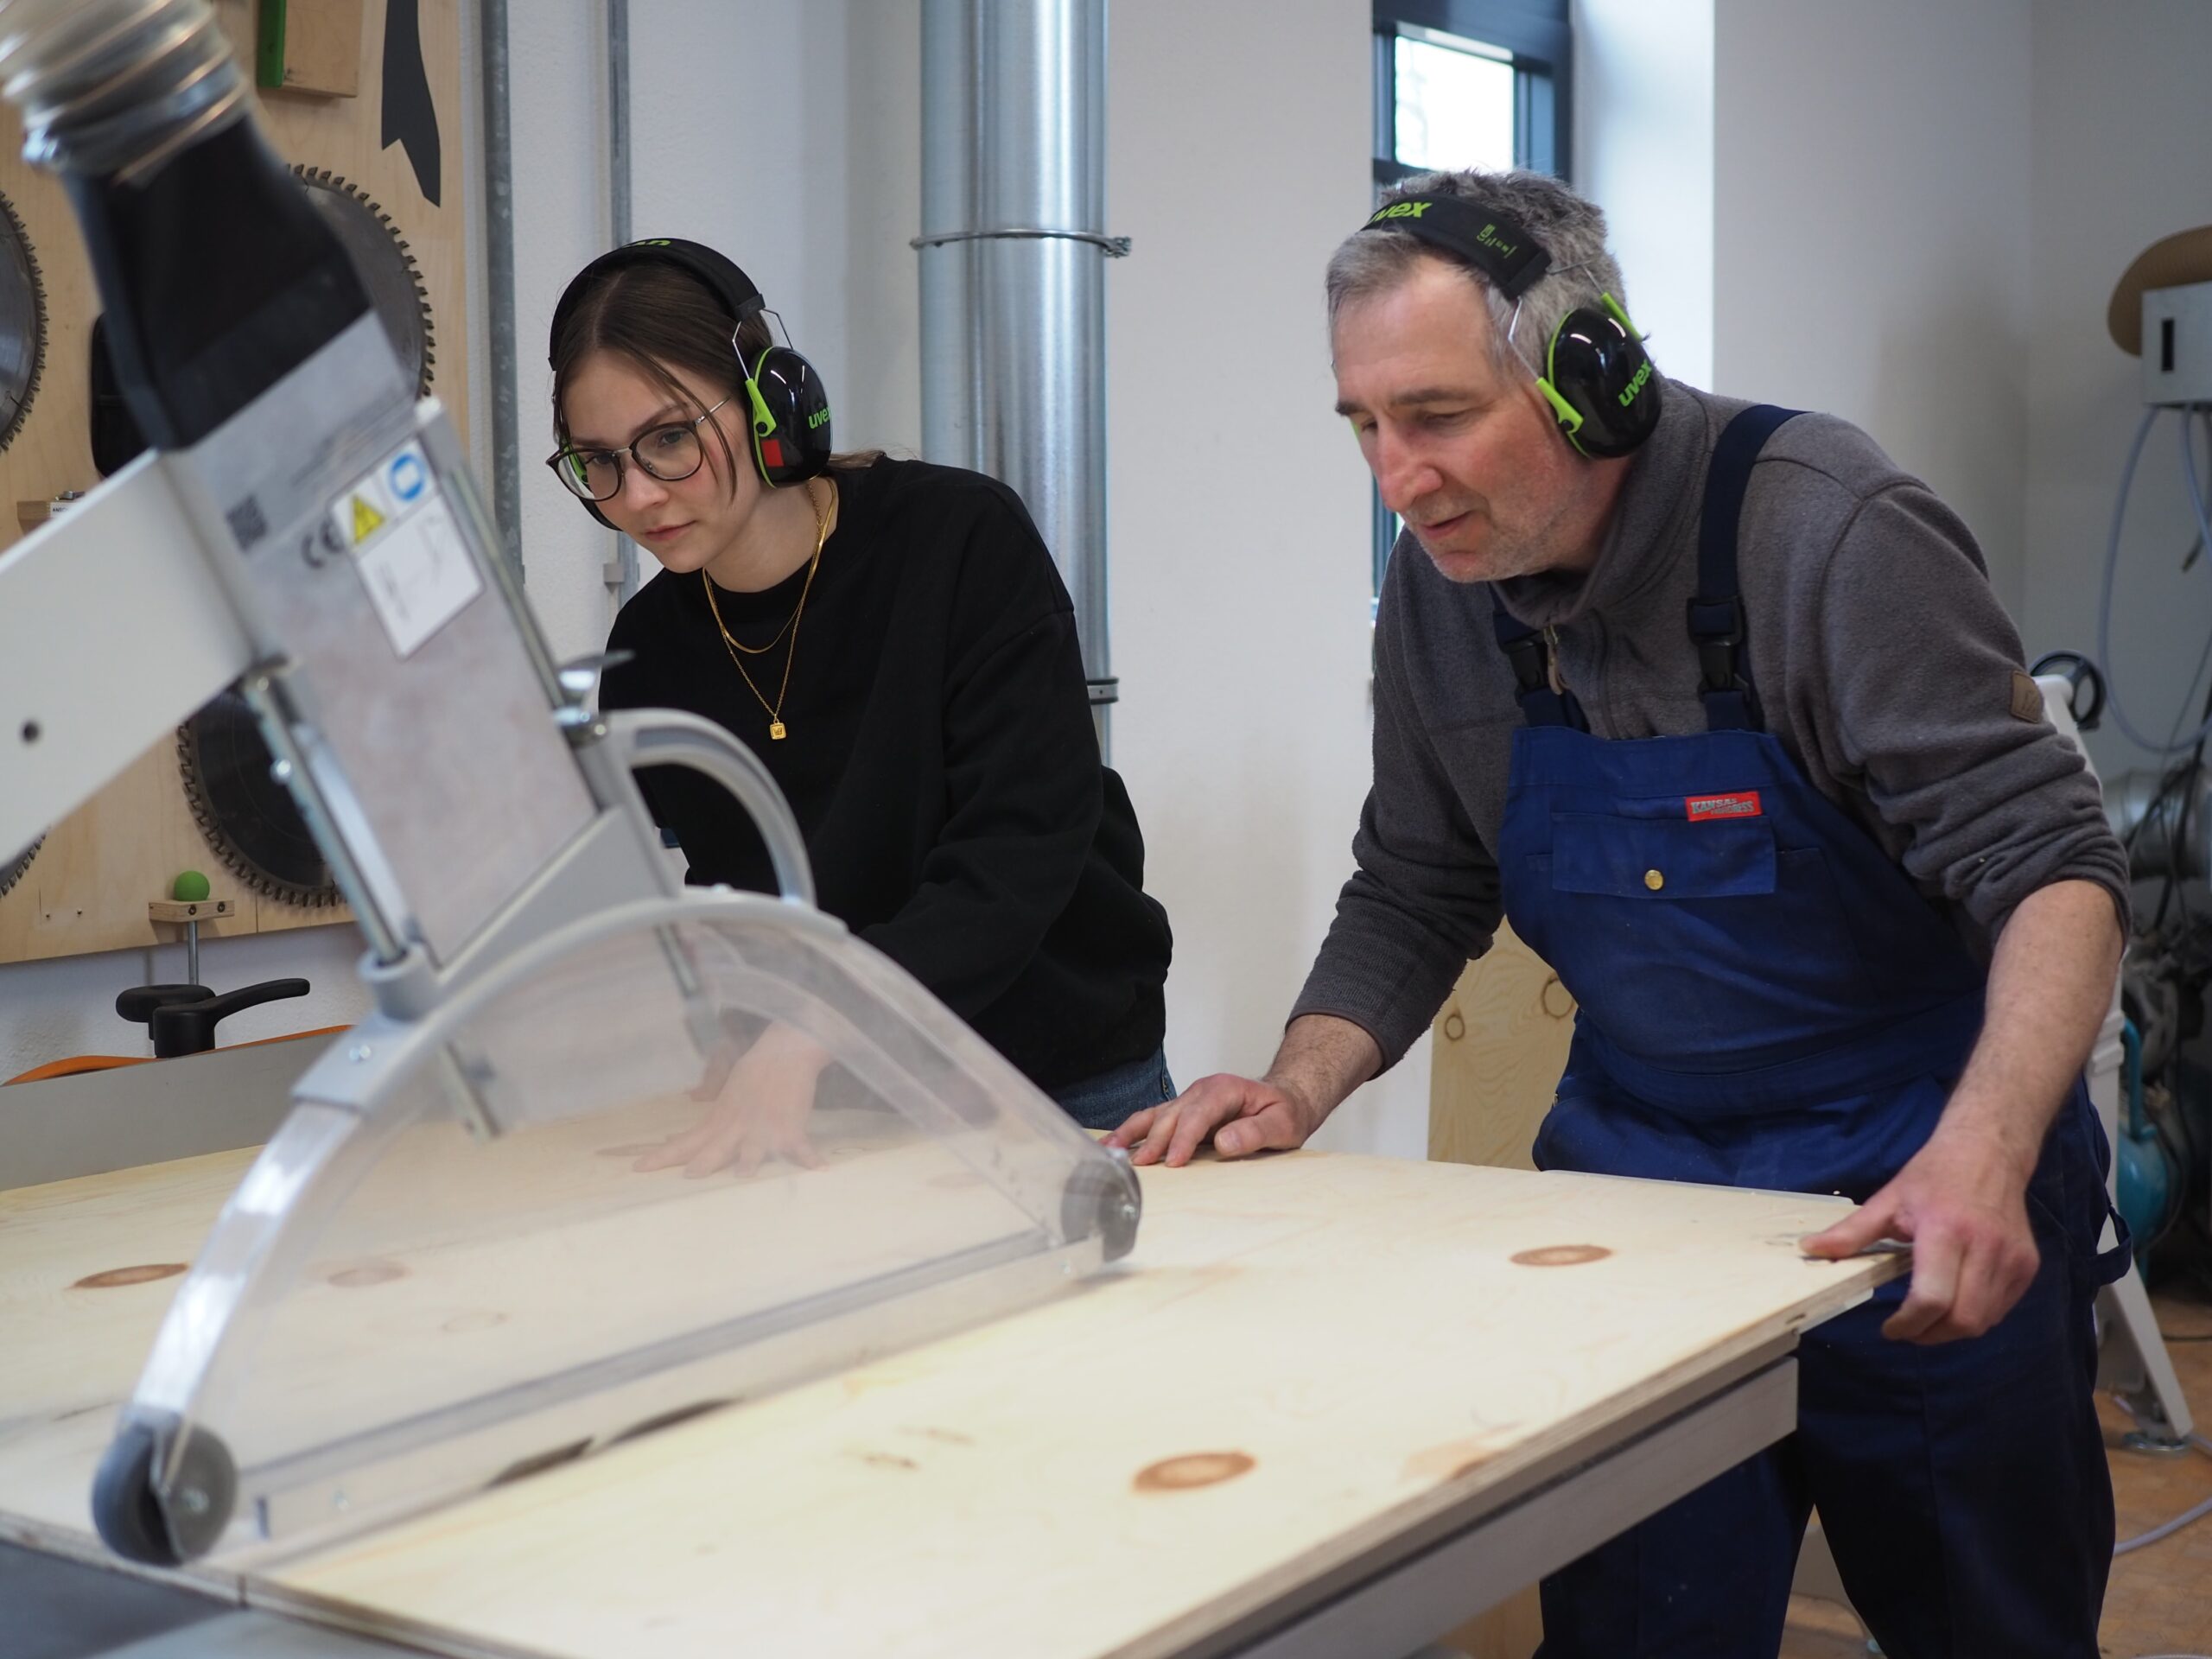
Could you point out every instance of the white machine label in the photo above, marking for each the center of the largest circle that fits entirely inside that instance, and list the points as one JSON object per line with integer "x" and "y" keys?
{"x": 398, "y": 525}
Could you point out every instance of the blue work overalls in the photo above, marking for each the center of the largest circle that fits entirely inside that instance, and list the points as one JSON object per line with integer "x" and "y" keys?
{"x": 1767, "y": 1002}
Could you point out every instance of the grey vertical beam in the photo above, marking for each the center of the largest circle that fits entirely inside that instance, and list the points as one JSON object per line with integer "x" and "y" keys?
{"x": 622, "y": 570}
{"x": 499, "y": 277}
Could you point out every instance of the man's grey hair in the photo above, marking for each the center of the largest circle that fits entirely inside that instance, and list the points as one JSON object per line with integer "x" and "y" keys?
{"x": 1570, "y": 229}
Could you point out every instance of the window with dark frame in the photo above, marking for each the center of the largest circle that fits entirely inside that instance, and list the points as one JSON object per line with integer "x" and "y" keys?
{"x": 1468, "y": 83}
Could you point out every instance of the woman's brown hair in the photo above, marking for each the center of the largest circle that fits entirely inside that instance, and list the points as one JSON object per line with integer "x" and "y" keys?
{"x": 663, "y": 321}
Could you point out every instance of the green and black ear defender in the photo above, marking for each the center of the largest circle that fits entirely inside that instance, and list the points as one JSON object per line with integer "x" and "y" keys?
{"x": 787, "y": 406}
{"x": 1597, "y": 377}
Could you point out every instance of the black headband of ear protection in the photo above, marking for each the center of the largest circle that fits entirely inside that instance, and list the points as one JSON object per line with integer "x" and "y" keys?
{"x": 719, "y": 274}
{"x": 1494, "y": 245}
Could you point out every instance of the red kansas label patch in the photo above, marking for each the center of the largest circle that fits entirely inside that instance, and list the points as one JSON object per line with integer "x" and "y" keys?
{"x": 1745, "y": 806}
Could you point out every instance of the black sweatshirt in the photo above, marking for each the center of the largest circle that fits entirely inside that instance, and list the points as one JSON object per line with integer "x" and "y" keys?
{"x": 940, "y": 759}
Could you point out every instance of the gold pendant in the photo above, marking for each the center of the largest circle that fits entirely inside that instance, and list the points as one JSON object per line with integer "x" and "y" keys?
{"x": 776, "y": 730}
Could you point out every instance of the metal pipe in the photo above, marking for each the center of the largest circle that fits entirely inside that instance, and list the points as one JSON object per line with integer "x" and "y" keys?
{"x": 618, "y": 195}
{"x": 2165, "y": 821}
{"x": 500, "y": 279}
{"x": 1012, "y": 288}
{"x": 622, "y": 570}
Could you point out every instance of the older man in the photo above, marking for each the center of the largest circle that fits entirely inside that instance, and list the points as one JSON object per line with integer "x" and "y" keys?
{"x": 1717, "y": 705}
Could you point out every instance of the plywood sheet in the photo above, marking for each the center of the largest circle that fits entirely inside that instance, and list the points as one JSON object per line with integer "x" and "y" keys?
{"x": 1307, "y": 1355}
{"x": 1500, "y": 1044}
{"x": 457, "y": 1269}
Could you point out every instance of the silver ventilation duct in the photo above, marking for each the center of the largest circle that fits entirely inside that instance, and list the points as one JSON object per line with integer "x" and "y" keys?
{"x": 2165, "y": 822}
{"x": 1012, "y": 252}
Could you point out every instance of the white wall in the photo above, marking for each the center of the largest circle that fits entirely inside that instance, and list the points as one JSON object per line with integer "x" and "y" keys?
{"x": 558, "y": 123}
{"x": 1643, "y": 126}
{"x": 1872, "y": 250}
{"x": 1238, "y": 137}
{"x": 2122, "y": 152}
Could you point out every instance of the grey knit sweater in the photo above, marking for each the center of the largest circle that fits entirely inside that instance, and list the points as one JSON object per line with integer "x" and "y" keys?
{"x": 1883, "y": 661}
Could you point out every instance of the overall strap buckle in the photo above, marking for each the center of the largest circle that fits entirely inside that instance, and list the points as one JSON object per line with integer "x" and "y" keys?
{"x": 1716, "y": 611}
{"x": 1717, "y": 629}
{"x": 1523, "y": 649}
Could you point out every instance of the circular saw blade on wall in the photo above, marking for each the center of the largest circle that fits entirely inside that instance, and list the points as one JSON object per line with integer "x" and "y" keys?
{"x": 12, "y": 870}
{"x": 22, "y": 324}
{"x": 246, "y": 815}
{"x": 387, "y": 267}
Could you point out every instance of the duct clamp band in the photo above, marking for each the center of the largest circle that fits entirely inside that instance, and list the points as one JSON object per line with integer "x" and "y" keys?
{"x": 1117, "y": 247}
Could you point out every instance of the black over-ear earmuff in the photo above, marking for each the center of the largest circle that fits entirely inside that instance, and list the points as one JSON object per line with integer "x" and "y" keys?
{"x": 788, "y": 409}
{"x": 1597, "y": 377}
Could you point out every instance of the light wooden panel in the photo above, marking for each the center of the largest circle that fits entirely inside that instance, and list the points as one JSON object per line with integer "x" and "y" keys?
{"x": 324, "y": 43}
{"x": 459, "y": 1268}
{"x": 345, "y": 136}
{"x": 1501, "y": 1043}
{"x": 1307, "y": 1355}
{"x": 88, "y": 888}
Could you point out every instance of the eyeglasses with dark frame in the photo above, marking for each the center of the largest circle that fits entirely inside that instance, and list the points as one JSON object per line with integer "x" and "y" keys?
{"x": 670, "y": 452}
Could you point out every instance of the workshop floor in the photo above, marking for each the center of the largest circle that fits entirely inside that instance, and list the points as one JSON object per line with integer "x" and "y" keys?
{"x": 2160, "y": 1601}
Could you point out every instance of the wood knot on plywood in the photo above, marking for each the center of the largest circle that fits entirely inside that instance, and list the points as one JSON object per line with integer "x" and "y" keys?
{"x": 1193, "y": 1470}
{"x": 945, "y": 1436}
{"x": 1453, "y": 1459}
{"x": 1561, "y": 1256}
{"x": 115, "y": 1277}
{"x": 367, "y": 1273}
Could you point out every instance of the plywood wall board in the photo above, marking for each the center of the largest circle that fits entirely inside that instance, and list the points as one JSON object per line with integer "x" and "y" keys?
{"x": 88, "y": 888}
{"x": 1501, "y": 1043}
{"x": 318, "y": 45}
{"x": 346, "y": 136}
{"x": 1307, "y": 1355}
{"x": 90, "y": 884}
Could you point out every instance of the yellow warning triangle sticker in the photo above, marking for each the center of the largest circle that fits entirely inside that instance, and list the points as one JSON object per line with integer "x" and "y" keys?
{"x": 366, "y": 520}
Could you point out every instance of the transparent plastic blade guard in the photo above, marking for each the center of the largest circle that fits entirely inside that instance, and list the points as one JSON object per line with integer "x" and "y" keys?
{"x": 456, "y": 1273}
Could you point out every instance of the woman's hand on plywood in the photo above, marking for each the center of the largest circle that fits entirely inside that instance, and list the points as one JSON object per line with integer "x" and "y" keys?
{"x": 760, "y": 1112}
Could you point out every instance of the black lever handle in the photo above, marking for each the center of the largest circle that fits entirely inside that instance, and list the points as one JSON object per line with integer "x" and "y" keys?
{"x": 183, "y": 1017}
{"x": 138, "y": 1003}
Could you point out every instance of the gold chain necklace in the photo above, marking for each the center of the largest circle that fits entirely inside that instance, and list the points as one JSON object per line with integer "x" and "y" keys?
{"x": 775, "y": 726}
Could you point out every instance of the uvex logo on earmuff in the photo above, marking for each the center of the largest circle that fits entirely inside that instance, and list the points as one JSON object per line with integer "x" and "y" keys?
{"x": 1642, "y": 374}
{"x": 817, "y": 418}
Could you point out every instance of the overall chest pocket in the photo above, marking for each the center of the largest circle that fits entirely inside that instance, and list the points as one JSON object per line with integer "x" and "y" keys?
{"x": 1697, "y": 946}
{"x": 1661, "y": 860}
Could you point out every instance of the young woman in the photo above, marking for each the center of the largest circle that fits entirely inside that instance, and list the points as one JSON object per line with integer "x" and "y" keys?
{"x": 892, "y": 640}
